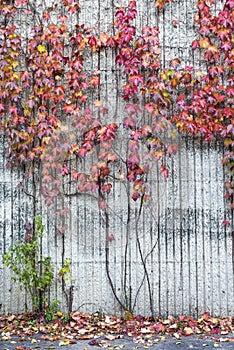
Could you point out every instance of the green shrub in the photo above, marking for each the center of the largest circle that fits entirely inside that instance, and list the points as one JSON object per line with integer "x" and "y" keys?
{"x": 33, "y": 271}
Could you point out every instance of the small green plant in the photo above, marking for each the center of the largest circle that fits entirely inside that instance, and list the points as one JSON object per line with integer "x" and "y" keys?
{"x": 51, "y": 311}
{"x": 33, "y": 271}
{"x": 67, "y": 286}
{"x": 65, "y": 271}
{"x": 65, "y": 318}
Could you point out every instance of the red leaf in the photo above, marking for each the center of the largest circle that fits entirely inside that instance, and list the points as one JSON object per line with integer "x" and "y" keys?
{"x": 133, "y": 161}
{"x": 110, "y": 238}
{"x": 82, "y": 152}
{"x": 68, "y": 108}
{"x": 129, "y": 123}
{"x": 131, "y": 176}
{"x": 150, "y": 108}
{"x": 172, "y": 149}
{"x": 226, "y": 222}
{"x": 92, "y": 41}
{"x": 133, "y": 145}
{"x": 20, "y": 2}
{"x": 13, "y": 110}
{"x": 164, "y": 171}
{"x": 175, "y": 63}
{"x": 136, "y": 135}
{"x": 226, "y": 46}
{"x": 136, "y": 79}
{"x": 135, "y": 194}
{"x": 65, "y": 171}
{"x": 106, "y": 188}
{"x": 2, "y": 108}
{"x": 102, "y": 205}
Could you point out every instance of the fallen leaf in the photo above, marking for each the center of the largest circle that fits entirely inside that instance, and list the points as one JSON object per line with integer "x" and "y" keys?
{"x": 188, "y": 331}
{"x": 110, "y": 337}
{"x": 35, "y": 341}
{"x": 176, "y": 335}
{"x": 145, "y": 330}
{"x": 11, "y": 318}
{"x": 64, "y": 343}
{"x": 226, "y": 340}
{"x": 104, "y": 344}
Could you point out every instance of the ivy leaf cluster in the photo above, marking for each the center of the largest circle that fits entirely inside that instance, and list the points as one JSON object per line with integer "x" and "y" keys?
{"x": 48, "y": 115}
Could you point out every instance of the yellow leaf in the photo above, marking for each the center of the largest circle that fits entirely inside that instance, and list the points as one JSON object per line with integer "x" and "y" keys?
{"x": 15, "y": 64}
{"x": 12, "y": 36}
{"x": 82, "y": 44}
{"x": 98, "y": 103}
{"x": 46, "y": 140}
{"x": 41, "y": 48}
{"x": 204, "y": 43}
{"x": 16, "y": 76}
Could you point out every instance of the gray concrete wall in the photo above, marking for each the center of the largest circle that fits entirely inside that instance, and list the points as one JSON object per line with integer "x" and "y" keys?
{"x": 187, "y": 250}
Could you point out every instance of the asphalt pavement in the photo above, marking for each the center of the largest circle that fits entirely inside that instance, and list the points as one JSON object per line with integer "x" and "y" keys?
{"x": 126, "y": 343}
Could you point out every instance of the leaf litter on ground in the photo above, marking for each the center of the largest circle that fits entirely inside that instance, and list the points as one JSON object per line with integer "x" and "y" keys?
{"x": 101, "y": 330}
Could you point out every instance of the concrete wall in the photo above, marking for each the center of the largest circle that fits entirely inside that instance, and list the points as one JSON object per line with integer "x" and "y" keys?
{"x": 187, "y": 250}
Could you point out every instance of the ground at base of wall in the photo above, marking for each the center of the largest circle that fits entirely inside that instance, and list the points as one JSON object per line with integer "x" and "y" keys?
{"x": 78, "y": 330}
{"x": 158, "y": 343}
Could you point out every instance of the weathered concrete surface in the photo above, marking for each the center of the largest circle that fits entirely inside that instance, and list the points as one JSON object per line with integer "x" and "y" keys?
{"x": 190, "y": 267}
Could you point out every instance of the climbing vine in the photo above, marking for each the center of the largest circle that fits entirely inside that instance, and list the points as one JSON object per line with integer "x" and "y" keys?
{"x": 206, "y": 107}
